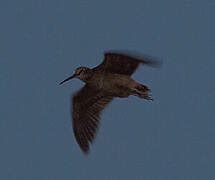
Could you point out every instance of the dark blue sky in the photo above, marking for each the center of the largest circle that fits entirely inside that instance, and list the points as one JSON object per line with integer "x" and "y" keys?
{"x": 43, "y": 41}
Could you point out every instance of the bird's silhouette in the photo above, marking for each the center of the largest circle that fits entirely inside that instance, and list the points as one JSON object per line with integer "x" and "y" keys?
{"x": 110, "y": 79}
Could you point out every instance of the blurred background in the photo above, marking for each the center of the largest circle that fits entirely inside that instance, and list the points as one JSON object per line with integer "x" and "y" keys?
{"x": 43, "y": 41}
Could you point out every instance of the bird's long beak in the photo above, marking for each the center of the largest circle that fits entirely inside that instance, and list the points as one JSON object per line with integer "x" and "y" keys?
{"x": 67, "y": 79}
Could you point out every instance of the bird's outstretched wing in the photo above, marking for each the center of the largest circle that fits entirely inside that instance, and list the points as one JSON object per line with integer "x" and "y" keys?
{"x": 87, "y": 106}
{"x": 115, "y": 62}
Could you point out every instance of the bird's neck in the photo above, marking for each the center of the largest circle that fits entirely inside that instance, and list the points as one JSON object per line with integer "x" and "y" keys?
{"x": 87, "y": 77}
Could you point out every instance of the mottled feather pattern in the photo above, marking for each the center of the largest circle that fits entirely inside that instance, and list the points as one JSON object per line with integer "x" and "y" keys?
{"x": 108, "y": 80}
{"x": 86, "y": 114}
{"x": 124, "y": 64}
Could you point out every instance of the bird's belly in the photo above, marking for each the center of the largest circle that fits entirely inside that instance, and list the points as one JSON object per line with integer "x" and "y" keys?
{"x": 118, "y": 87}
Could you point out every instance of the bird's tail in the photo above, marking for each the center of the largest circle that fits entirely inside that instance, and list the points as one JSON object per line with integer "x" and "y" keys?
{"x": 142, "y": 91}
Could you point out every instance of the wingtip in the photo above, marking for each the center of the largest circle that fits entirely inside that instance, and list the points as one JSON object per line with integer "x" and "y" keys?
{"x": 151, "y": 61}
{"x": 155, "y": 63}
{"x": 85, "y": 152}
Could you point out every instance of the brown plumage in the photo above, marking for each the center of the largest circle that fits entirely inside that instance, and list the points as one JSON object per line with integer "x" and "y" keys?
{"x": 108, "y": 80}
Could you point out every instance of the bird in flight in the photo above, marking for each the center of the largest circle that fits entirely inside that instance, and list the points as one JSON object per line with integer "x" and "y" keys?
{"x": 110, "y": 79}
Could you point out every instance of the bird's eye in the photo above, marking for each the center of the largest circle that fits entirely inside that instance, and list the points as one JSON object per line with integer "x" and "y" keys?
{"x": 79, "y": 72}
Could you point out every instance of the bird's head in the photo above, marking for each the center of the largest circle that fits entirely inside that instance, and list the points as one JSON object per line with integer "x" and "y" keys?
{"x": 80, "y": 73}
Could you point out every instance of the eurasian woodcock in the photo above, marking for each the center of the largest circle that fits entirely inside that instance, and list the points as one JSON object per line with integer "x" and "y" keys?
{"x": 110, "y": 79}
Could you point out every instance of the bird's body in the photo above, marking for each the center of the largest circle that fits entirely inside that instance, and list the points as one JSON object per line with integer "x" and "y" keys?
{"x": 116, "y": 85}
{"x": 112, "y": 78}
